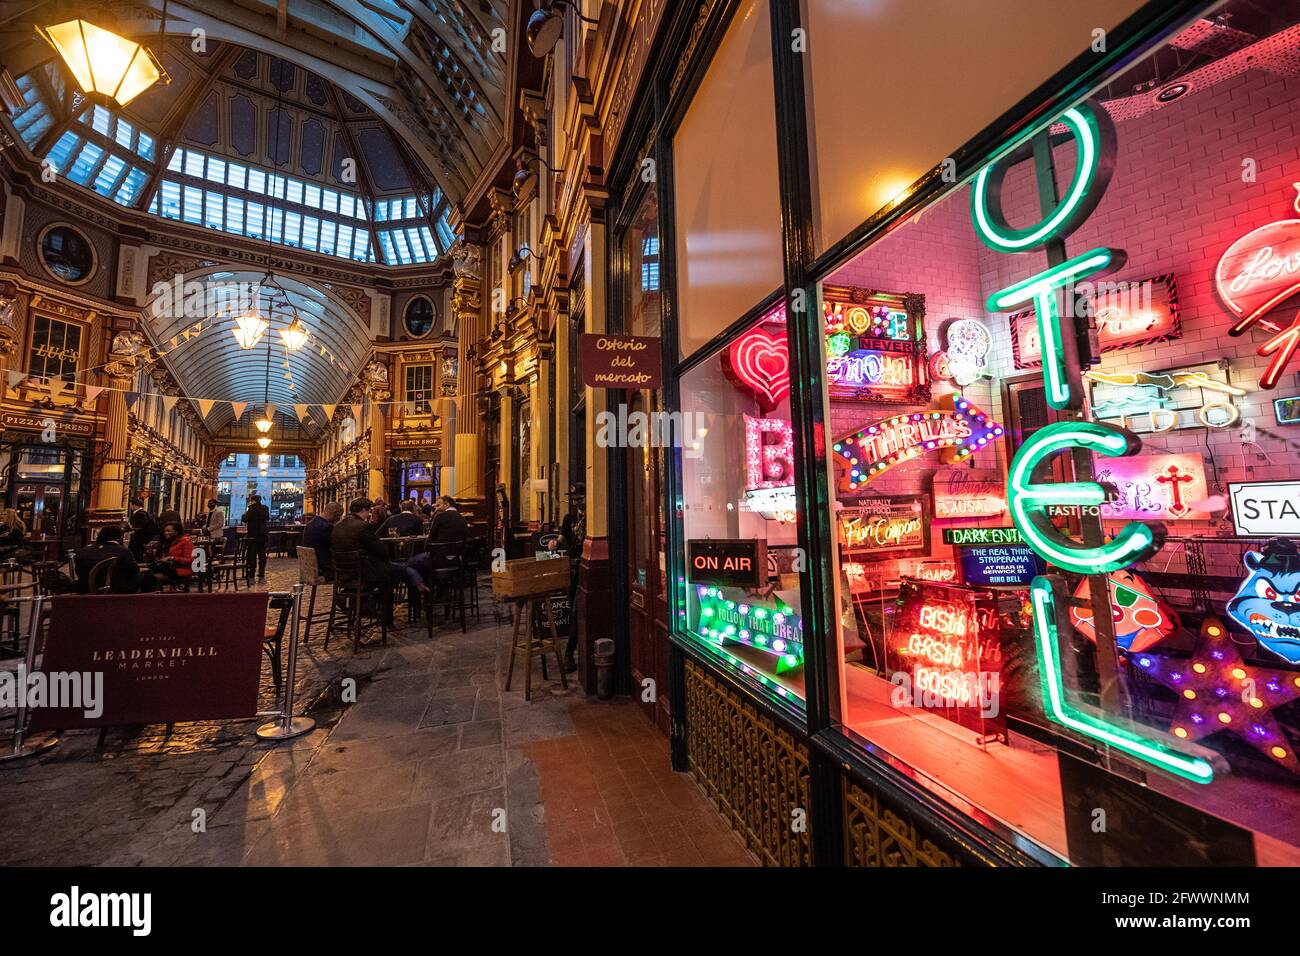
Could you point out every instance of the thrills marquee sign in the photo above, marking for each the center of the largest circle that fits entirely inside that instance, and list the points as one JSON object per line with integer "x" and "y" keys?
{"x": 957, "y": 429}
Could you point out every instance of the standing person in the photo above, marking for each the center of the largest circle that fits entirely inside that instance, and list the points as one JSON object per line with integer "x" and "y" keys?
{"x": 216, "y": 522}
{"x": 256, "y": 519}
{"x": 143, "y": 530}
{"x": 318, "y": 534}
{"x": 502, "y": 531}
{"x": 170, "y": 516}
{"x": 176, "y": 565}
{"x": 573, "y": 531}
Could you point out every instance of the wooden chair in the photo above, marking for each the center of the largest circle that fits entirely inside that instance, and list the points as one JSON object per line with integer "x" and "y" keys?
{"x": 228, "y": 570}
{"x": 100, "y": 579}
{"x": 356, "y": 599}
{"x": 309, "y": 577}
{"x": 535, "y": 640}
{"x": 273, "y": 644}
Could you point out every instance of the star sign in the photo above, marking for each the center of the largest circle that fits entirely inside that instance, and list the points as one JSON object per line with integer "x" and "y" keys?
{"x": 1218, "y": 691}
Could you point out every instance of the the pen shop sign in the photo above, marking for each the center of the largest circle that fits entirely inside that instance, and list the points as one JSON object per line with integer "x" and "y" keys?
{"x": 730, "y": 562}
{"x": 621, "y": 361}
{"x": 38, "y": 423}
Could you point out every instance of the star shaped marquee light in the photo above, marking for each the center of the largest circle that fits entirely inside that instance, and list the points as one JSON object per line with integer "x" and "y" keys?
{"x": 1217, "y": 691}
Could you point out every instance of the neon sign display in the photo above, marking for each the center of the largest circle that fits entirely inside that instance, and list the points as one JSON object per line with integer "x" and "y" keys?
{"x": 759, "y": 362}
{"x": 1155, "y": 487}
{"x": 769, "y": 453}
{"x": 1141, "y": 619}
{"x": 1198, "y": 396}
{"x": 956, "y": 430}
{"x": 1217, "y": 691}
{"x": 959, "y": 494}
{"x": 965, "y": 356}
{"x": 1094, "y": 136}
{"x": 882, "y": 525}
{"x": 1257, "y": 272}
{"x": 777, "y": 631}
{"x": 1127, "y": 315}
{"x": 937, "y": 640}
{"x": 875, "y": 344}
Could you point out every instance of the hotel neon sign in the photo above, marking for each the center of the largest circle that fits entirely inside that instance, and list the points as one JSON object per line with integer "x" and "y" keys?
{"x": 1029, "y": 500}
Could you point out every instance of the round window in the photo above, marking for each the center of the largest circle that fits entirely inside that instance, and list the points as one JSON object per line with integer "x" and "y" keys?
{"x": 419, "y": 316}
{"x": 67, "y": 254}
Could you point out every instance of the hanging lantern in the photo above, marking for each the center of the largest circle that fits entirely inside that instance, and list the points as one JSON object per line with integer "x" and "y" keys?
{"x": 295, "y": 336}
{"x": 264, "y": 442}
{"x": 103, "y": 62}
{"x": 264, "y": 423}
{"x": 249, "y": 329}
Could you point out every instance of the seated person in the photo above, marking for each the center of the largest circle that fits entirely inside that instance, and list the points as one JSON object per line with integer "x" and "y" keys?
{"x": 448, "y": 525}
{"x": 404, "y": 523}
{"x": 356, "y": 533}
{"x": 126, "y": 577}
{"x": 143, "y": 531}
{"x": 176, "y": 564}
{"x": 12, "y": 532}
{"x": 317, "y": 536}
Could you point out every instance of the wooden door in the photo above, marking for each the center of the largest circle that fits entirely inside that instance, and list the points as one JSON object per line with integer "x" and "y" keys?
{"x": 648, "y": 611}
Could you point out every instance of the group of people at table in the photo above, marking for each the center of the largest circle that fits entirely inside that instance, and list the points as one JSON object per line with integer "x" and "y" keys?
{"x": 160, "y": 552}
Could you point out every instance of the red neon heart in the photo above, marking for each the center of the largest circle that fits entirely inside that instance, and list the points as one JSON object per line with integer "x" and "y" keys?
{"x": 760, "y": 362}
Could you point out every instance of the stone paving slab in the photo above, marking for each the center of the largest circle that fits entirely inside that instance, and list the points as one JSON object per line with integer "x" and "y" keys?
{"x": 430, "y": 763}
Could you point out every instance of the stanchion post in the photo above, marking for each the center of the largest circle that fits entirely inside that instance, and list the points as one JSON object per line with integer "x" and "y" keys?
{"x": 21, "y": 748}
{"x": 288, "y": 725}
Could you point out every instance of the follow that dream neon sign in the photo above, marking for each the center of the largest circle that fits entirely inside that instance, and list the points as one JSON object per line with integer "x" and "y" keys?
{"x": 1256, "y": 273}
{"x": 1031, "y": 501}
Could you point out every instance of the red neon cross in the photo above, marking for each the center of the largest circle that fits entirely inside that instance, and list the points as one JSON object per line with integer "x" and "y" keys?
{"x": 1173, "y": 480}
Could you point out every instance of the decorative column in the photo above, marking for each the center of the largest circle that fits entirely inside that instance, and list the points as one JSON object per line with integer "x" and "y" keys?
{"x": 374, "y": 379}
{"x": 467, "y": 305}
{"x": 109, "y": 493}
{"x": 595, "y": 617}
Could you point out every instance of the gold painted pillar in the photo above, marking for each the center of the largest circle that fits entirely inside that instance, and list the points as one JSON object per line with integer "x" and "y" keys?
{"x": 109, "y": 503}
{"x": 467, "y": 303}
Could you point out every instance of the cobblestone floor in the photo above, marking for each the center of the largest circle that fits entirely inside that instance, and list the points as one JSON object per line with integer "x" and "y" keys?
{"x": 434, "y": 764}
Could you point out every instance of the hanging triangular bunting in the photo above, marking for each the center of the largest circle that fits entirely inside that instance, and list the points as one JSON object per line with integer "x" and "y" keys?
{"x": 205, "y": 406}
{"x": 57, "y": 386}
{"x": 93, "y": 392}
{"x": 301, "y": 412}
{"x": 269, "y": 411}
{"x": 169, "y": 403}
{"x": 238, "y": 409}
{"x": 329, "y": 412}
{"x": 131, "y": 398}
{"x": 356, "y": 413}
{"x": 15, "y": 378}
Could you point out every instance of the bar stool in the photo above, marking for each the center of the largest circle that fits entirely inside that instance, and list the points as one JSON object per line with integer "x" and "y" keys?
{"x": 534, "y": 640}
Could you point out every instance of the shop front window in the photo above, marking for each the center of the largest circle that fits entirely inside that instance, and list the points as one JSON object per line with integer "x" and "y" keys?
{"x": 56, "y": 348}
{"x": 1011, "y": 633}
{"x": 742, "y": 598}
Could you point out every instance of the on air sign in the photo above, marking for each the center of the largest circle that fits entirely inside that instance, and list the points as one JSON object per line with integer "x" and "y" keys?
{"x": 1266, "y": 507}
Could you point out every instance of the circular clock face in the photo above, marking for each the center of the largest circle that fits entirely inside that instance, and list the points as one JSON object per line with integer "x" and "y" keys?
{"x": 67, "y": 254}
{"x": 419, "y": 317}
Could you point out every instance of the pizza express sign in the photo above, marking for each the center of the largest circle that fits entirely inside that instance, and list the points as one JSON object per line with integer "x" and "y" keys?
{"x": 1266, "y": 507}
{"x": 730, "y": 562}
